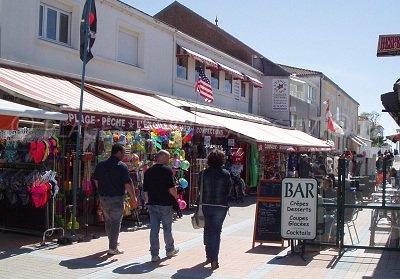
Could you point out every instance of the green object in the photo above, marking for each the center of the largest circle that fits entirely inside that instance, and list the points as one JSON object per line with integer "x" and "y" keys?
{"x": 185, "y": 165}
{"x": 254, "y": 163}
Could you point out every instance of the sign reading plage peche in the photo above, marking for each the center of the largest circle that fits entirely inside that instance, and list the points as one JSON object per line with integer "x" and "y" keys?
{"x": 299, "y": 208}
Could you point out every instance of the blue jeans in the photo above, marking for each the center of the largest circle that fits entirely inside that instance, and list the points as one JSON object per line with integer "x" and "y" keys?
{"x": 160, "y": 214}
{"x": 113, "y": 210}
{"x": 214, "y": 217}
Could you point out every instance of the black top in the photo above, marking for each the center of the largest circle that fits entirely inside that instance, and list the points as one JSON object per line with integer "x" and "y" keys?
{"x": 216, "y": 186}
{"x": 112, "y": 175}
{"x": 157, "y": 181}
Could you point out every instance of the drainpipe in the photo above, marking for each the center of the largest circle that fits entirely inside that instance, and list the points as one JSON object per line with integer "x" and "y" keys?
{"x": 320, "y": 107}
{"x": 173, "y": 63}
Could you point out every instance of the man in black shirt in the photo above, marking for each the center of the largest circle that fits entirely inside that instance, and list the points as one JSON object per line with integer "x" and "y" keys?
{"x": 158, "y": 186}
{"x": 112, "y": 180}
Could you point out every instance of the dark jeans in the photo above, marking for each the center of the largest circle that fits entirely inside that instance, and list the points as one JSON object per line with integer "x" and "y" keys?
{"x": 214, "y": 217}
{"x": 113, "y": 210}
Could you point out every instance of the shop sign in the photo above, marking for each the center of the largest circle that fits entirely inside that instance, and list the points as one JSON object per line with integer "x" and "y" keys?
{"x": 104, "y": 121}
{"x": 388, "y": 45}
{"x": 145, "y": 124}
{"x": 299, "y": 208}
{"x": 236, "y": 89}
{"x": 214, "y": 132}
{"x": 275, "y": 147}
{"x": 280, "y": 95}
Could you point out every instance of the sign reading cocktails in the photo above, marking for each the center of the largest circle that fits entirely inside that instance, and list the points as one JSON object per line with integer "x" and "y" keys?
{"x": 299, "y": 208}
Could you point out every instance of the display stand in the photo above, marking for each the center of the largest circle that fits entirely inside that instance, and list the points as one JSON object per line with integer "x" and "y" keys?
{"x": 49, "y": 232}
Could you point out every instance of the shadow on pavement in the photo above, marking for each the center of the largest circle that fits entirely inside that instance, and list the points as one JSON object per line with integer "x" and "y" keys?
{"x": 139, "y": 268}
{"x": 197, "y": 272}
{"x": 267, "y": 250}
{"x": 91, "y": 261}
{"x": 388, "y": 265}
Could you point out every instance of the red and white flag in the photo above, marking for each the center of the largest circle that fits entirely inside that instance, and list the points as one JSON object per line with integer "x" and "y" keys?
{"x": 332, "y": 125}
{"x": 203, "y": 87}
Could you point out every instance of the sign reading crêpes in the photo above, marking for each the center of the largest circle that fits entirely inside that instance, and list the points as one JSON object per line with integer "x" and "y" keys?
{"x": 388, "y": 45}
{"x": 299, "y": 208}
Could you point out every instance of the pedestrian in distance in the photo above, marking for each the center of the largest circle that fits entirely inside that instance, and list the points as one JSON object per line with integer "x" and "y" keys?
{"x": 159, "y": 186}
{"x": 112, "y": 181}
{"x": 216, "y": 183}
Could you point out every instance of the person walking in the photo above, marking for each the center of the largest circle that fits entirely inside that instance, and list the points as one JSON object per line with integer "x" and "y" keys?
{"x": 158, "y": 187}
{"x": 112, "y": 181}
{"x": 216, "y": 184}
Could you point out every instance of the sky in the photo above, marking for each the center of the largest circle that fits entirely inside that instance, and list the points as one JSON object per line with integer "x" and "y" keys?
{"x": 338, "y": 38}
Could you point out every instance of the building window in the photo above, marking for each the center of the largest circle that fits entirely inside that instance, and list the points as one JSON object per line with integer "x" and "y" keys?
{"x": 198, "y": 65}
{"x": 311, "y": 94}
{"x": 293, "y": 120}
{"x": 228, "y": 83}
{"x": 243, "y": 90}
{"x": 215, "y": 79}
{"x": 128, "y": 47}
{"x": 54, "y": 24}
{"x": 181, "y": 63}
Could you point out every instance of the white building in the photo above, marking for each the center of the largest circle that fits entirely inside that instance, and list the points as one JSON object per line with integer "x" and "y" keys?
{"x": 131, "y": 48}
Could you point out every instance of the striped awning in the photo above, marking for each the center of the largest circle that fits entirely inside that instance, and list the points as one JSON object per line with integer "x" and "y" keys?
{"x": 58, "y": 92}
{"x": 254, "y": 81}
{"x": 236, "y": 74}
{"x": 201, "y": 58}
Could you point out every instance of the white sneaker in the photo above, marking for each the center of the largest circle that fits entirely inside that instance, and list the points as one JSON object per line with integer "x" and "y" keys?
{"x": 115, "y": 251}
{"x": 155, "y": 259}
{"x": 173, "y": 252}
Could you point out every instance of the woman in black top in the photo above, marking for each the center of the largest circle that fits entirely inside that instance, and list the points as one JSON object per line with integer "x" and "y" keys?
{"x": 215, "y": 194}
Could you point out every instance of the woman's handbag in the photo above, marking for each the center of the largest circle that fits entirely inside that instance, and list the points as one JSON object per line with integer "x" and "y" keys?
{"x": 198, "y": 217}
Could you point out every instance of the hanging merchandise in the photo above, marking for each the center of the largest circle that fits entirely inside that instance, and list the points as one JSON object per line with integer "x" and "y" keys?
{"x": 87, "y": 187}
{"x": 185, "y": 165}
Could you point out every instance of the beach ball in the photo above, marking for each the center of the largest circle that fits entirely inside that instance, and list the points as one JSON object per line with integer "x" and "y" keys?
{"x": 177, "y": 163}
{"x": 183, "y": 182}
{"x": 182, "y": 204}
{"x": 135, "y": 161}
{"x": 185, "y": 165}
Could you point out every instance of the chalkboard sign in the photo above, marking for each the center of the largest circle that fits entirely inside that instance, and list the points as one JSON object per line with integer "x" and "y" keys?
{"x": 269, "y": 188}
{"x": 267, "y": 224}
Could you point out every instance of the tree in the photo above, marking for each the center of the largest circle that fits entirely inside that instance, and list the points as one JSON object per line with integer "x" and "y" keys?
{"x": 372, "y": 116}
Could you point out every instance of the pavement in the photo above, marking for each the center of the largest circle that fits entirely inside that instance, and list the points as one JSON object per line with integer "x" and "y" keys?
{"x": 22, "y": 256}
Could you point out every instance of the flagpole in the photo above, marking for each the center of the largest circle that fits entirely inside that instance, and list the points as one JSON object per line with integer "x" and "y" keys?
{"x": 78, "y": 135}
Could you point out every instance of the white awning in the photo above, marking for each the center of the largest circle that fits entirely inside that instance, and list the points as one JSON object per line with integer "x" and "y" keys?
{"x": 357, "y": 141}
{"x": 254, "y": 81}
{"x": 201, "y": 58}
{"x": 236, "y": 74}
{"x": 158, "y": 108}
{"x": 14, "y": 109}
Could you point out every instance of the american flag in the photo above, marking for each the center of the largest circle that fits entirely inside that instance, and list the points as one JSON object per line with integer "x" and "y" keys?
{"x": 203, "y": 87}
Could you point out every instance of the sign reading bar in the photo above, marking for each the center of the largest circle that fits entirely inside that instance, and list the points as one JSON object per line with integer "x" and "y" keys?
{"x": 388, "y": 45}
{"x": 299, "y": 208}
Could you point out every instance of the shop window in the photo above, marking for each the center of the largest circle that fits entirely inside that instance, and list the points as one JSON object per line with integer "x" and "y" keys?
{"x": 128, "y": 47}
{"x": 54, "y": 24}
{"x": 181, "y": 63}
{"x": 228, "y": 83}
{"x": 215, "y": 79}
{"x": 243, "y": 90}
